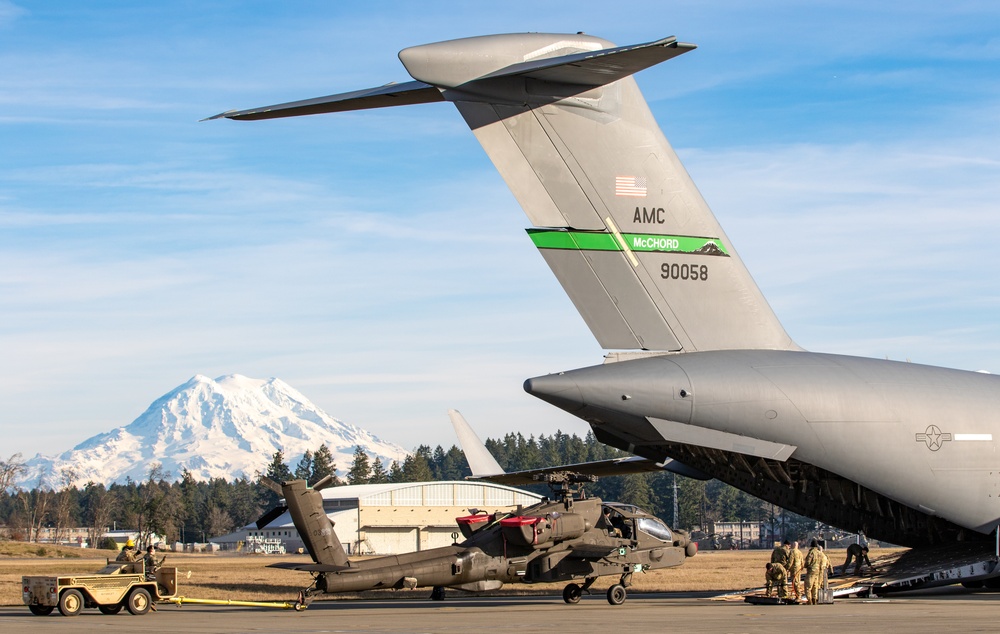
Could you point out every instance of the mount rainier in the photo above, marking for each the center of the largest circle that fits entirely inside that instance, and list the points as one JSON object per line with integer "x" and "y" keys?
{"x": 222, "y": 428}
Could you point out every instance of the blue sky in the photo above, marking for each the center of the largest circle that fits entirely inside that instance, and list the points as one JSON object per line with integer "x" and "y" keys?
{"x": 377, "y": 262}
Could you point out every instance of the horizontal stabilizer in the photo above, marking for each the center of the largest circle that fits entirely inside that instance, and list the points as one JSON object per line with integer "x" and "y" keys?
{"x": 325, "y": 482}
{"x": 271, "y": 484}
{"x": 597, "y": 68}
{"x": 405, "y": 94}
{"x": 288, "y": 565}
{"x": 270, "y": 516}
{"x": 591, "y": 68}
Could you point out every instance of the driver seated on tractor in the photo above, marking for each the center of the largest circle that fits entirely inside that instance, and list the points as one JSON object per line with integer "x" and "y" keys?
{"x": 127, "y": 553}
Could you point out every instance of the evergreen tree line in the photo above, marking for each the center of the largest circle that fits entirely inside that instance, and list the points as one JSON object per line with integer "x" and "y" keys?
{"x": 179, "y": 510}
{"x": 190, "y": 510}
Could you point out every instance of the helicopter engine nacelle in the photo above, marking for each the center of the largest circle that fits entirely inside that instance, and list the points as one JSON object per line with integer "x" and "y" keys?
{"x": 472, "y": 523}
{"x": 540, "y": 531}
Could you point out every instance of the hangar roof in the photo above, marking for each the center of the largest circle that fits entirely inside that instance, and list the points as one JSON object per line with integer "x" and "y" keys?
{"x": 446, "y": 493}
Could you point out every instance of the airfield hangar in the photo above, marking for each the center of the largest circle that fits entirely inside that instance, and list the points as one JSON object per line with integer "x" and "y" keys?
{"x": 384, "y": 519}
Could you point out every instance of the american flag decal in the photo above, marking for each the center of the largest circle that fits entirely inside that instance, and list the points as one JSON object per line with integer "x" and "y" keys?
{"x": 634, "y": 186}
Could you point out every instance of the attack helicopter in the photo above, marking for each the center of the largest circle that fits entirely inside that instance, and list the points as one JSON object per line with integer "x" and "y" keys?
{"x": 570, "y": 537}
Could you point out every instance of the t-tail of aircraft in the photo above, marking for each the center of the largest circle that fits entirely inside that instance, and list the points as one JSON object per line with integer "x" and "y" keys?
{"x": 615, "y": 215}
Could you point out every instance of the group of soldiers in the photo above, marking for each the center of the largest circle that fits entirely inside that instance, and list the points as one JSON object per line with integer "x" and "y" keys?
{"x": 787, "y": 563}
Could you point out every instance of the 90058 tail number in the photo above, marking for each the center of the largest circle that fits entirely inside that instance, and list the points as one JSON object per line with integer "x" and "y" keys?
{"x": 692, "y": 272}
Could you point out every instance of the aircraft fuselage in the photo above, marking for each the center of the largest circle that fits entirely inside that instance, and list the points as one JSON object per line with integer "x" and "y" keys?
{"x": 865, "y": 420}
{"x": 454, "y": 566}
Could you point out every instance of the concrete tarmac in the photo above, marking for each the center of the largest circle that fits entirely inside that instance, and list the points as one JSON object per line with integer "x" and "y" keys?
{"x": 942, "y": 610}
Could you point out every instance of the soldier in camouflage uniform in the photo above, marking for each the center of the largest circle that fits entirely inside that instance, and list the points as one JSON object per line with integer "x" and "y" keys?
{"x": 127, "y": 553}
{"x": 781, "y": 554}
{"x": 817, "y": 564}
{"x": 776, "y": 577}
{"x": 796, "y": 564}
{"x": 814, "y": 561}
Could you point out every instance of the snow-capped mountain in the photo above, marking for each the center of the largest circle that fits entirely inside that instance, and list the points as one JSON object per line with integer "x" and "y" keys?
{"x": 227, "y": 427}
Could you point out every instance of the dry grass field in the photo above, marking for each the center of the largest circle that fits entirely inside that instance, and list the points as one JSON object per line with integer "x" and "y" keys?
{"x": 247, "y": 578}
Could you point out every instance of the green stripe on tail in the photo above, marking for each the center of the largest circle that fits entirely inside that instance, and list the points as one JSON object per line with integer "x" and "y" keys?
{"x": 638, "y": 242}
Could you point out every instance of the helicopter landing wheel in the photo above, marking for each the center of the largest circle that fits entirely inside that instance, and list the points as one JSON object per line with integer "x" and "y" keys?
{"x": 617, "y": 594}
{"x": 572, "y": 593}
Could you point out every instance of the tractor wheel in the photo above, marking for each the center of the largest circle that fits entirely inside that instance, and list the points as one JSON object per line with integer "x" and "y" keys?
{"x": 572, "y": 593}
{"x": 138, "y": 601}
{"x": 70, "y": 603}
{"x": 41, "y": 610}
{"x": 617, "y": 594}
{"x": 110, "y": 609}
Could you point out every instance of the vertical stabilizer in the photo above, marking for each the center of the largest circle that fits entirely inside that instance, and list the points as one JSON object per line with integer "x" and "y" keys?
{"x": 618, "y": 219}
{"x": 480, "y": 460}
{"x": 615, "y": 215}
{"x": 316, "y": 530}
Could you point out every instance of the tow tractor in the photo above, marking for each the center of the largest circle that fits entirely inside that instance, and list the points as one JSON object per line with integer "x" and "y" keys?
{"x": 118, "y": 585}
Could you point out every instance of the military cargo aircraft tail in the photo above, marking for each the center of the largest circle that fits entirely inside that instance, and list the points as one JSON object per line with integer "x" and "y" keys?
{"x": 615, "y": 214}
